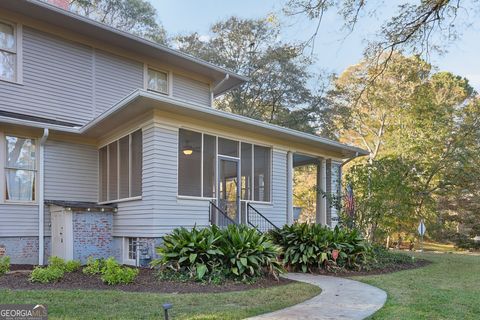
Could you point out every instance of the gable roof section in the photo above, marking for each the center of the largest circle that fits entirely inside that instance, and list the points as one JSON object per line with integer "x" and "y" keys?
{"x": 106, "y": 34}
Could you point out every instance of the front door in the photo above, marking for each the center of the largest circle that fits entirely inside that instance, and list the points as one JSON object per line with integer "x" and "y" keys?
{"x": 228, "y": 188}
{"x": 58, "y": 234}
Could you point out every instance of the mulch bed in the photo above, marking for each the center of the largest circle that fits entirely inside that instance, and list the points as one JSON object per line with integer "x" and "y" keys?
{"x": 387, "y": 269}
{"x": 145, "y": 282}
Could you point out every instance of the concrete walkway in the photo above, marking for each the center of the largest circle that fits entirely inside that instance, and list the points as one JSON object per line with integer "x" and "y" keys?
{"x": 340, "y": 299}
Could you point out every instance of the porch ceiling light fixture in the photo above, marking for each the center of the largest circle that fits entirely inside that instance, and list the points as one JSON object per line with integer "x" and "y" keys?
{"x": 187, "y": 150}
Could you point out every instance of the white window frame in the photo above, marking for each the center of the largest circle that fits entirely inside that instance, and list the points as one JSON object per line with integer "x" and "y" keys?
{"x": 126, "y": 251}
{"x": 270, "y": 200}
{"x": 17, "y": 51}
{"x": 107, "y": 145}
{"x": 146, "y": 67}
{"x": 3, "y": 168}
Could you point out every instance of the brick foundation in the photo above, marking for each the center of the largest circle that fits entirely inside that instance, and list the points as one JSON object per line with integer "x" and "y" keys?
{"x": 23, "y": 250}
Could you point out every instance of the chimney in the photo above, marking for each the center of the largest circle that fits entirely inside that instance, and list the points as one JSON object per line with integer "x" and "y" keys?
{"x": 64, "y": 4}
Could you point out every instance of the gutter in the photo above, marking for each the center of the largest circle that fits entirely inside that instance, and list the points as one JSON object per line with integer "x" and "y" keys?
{"x": 41, "y": 196}
{"x": 348, "y": 160}
{"x": 218, "y": 85}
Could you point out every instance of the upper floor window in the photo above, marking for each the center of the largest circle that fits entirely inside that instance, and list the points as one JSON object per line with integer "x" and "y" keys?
{"x": 121, "y": 168}
{"x": 8, "y": 52}
{"x": 157, "y": 81}
{"x": 20, "y": 169}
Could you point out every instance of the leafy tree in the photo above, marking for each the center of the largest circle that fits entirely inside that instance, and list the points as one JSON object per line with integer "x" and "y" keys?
{"x": 278, "y": 91}
{"x": 135, "y": 16}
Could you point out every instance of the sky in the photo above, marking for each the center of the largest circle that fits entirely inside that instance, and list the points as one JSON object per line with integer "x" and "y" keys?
{"x": 334, "y": 49}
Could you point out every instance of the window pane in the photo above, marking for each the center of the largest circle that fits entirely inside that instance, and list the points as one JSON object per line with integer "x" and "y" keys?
{"x": 132, "y": 248}
{"x": 157, "y": 81}
{"x": 262, "y": 173}
{"x": 227, "y": 147}
{"x": 124, "y": 167}
{"x": 189, "y": 163}
{"x": 112, "y": 171}
{"x": 209, "y": 146}
{"x": 20, "y": 185}
{"x": 246, "y": 163}
{"x": 137, "y": 160}
{"x": 7, "y": 37}
{"x": 7, "y": 65}
{"x": 20, "y": 153}
{"x": 103, "y": 173}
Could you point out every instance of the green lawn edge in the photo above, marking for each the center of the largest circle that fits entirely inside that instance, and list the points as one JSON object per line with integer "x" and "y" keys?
{"x": 111, "y": 304}
{"x": 449, "y": 288}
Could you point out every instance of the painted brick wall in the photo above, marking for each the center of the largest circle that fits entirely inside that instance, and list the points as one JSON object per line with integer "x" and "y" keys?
{"x": 23, "y": 250}
{"x": 92, "y": 235}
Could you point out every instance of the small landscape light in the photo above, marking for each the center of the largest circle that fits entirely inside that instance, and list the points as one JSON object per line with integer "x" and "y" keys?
{"x": 166, "y": 307}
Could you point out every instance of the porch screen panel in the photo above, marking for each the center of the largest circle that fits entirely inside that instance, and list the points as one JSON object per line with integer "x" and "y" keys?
{"x": 246, "y": 163}
{"x": 227, "y": 147}
{"x": 209, "y": 153}
{"x": 112, "y": 171}
{"x": 262, "y": 173}
{"x": 136, "y": 167}
{"x": 103, "y": 173}
{"x": 124, "y": 145}
{"x": 189, "y": 163}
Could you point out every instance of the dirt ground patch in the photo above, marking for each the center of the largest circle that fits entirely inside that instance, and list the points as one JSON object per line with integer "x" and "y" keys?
{"x": 145, "y": 282}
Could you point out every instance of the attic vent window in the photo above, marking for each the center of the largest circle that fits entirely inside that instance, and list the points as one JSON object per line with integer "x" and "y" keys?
{"x": 8, "y": 52}
{"x": 157, "y": 81}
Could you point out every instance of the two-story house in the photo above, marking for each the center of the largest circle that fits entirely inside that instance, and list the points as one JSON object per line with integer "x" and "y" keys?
{"x": 109, "y": 141}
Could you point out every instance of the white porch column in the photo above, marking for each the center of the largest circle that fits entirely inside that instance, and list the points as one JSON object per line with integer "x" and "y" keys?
{"x": 289, "y": 188}
{"x": 321, "y": 206}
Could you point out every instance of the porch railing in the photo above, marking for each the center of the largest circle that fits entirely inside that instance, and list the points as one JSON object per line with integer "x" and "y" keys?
{"x": 218, "y": 217}
{"x": 258, "y": 220}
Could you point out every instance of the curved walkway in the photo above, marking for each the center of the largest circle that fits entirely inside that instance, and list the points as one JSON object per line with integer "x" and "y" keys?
{"x": 340, "y": 299}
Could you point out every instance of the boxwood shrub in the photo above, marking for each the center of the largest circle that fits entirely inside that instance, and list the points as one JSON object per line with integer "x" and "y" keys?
{"x": 212, "y": 254}
{"x": 309, "y": 247}
{"x": 54, "y": 271}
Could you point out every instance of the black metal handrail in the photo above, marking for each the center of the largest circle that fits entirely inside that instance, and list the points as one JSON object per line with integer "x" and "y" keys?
{"x": 258, "y": 220}
{"x": 218, "y": 217}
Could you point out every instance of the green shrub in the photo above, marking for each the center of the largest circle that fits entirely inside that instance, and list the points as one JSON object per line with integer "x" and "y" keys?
{"x": 113, "y": 273}
{"x": 212, "y": 254}
{"x": 247, "y": 252}
{"x": 69, "y": 266}
{"x": 72, "y": 265}
{"x": 384, "y": 258}
{"x": 308, "y": 247}
{"x": 46, "y": 275}
{"x": 94, "y": 266}
{"x": 463, "y": 241}
{"x": 4, "y": 265}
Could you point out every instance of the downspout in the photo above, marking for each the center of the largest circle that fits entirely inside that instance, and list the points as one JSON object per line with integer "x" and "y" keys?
{"x": 41, "y": 200}
{"x": 227, "y": 76}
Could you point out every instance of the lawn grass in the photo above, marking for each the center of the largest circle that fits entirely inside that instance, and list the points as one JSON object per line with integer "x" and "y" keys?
{"x": 449, "y": 288}
{"x": 83, "y": 304}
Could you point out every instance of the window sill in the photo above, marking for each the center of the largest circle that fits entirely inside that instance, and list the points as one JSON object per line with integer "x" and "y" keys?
{"x": 18, "y": 83}
{"x": 19, "y": 203}
{"x": 194, "y": 198}
{"x": 121, "y": 200}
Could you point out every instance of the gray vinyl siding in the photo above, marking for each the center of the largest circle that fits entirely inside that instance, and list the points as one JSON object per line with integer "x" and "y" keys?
{"x": 68, "y": 81}
{"x": 71, "y": 171}
{"x": 191, "y": 90}
{"x": 115, "y": 78}
{"x": 276, "y": 212}
{"x": 18, "y": 220}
